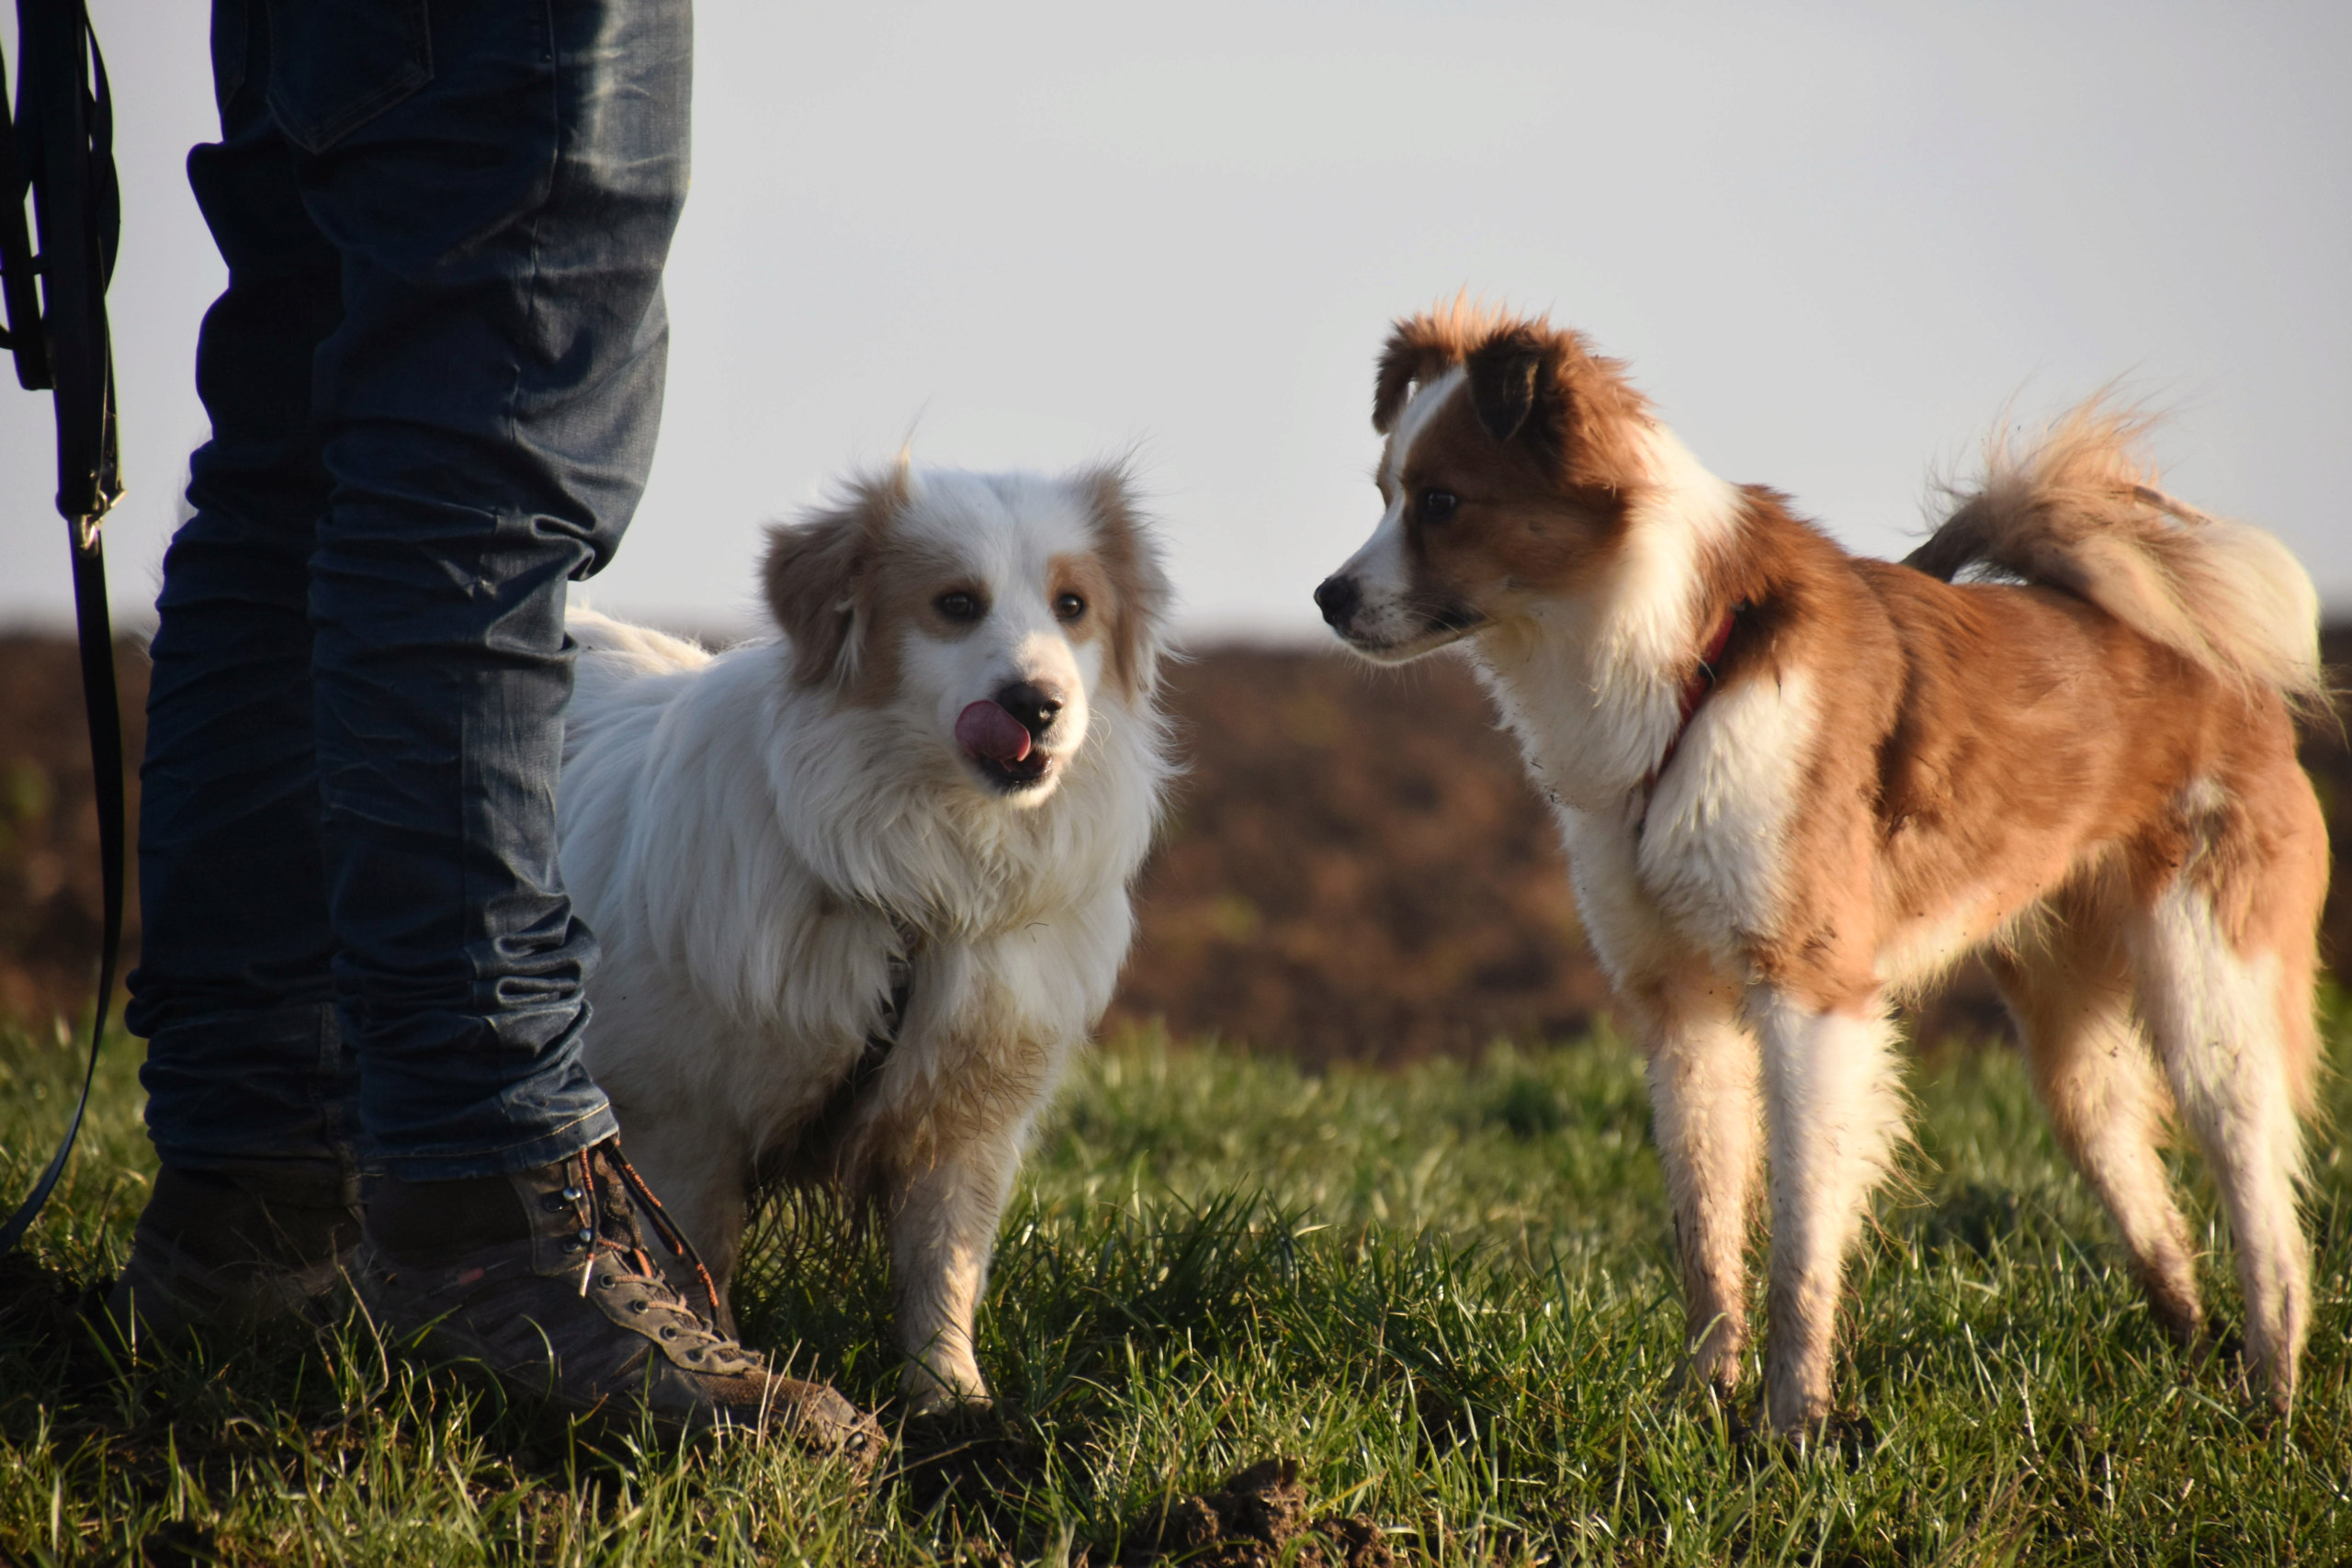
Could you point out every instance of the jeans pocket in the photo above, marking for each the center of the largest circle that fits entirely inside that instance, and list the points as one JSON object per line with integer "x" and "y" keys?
{"x": 335, "y": 64}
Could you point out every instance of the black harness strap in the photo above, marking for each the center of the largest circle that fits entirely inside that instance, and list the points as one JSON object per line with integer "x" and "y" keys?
{"x": 835, "y": 1117}
{"x": 815, "y": 1148}
{"x": 62, "y": 147}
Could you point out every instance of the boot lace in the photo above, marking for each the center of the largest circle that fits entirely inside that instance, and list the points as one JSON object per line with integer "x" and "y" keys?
{"x": 616, "y": 1236}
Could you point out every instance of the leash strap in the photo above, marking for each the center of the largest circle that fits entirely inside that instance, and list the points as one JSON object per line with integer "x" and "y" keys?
{"x": 19, "y": 295}
{"x": 62, "y": 147}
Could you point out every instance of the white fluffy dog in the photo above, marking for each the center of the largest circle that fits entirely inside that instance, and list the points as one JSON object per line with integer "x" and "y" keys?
{"x": 862, "y": 889}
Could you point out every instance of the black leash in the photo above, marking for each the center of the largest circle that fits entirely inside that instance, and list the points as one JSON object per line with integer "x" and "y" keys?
{"x": 61, "y": 147}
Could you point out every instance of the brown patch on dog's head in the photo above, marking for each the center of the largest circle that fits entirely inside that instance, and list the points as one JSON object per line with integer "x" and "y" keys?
{"x": 1126, "y": 581}
{"x": 1529, "y": 382}
{"x": 823, "y": 585}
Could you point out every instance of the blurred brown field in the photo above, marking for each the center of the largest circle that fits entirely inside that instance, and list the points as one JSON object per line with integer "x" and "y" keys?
{"x": 1354, "y": 868}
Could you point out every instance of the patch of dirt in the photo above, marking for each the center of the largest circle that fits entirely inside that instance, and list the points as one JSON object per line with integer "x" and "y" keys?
{"x": 1355, "y": 867}
{"x": 1256, "y": 1519}
{"x": 972, "y": 1469}
{"x": 179, "y": 1544}
{"x": 41, "y": 1307}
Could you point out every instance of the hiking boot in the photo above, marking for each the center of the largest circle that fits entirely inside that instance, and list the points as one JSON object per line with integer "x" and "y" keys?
{"x": 545, "y": 1279}
{"x": 234, "y": 1248}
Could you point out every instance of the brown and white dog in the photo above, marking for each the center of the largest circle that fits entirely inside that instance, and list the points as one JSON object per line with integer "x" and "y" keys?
{"x": 862, "y": 890}
{"x": 1793, "y": 783}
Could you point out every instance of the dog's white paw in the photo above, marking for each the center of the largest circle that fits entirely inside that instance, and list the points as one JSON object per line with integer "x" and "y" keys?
{"x": 945, "y": 1390}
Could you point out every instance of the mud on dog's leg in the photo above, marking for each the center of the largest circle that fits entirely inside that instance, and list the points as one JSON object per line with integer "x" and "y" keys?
{"x": 1706, "y": 1117}
{"x": 1834, "y": 1104}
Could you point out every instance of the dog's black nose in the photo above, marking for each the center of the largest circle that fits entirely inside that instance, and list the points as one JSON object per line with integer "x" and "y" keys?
{"x": 1033, "y": 705}
{"x": 1338, "y": 598}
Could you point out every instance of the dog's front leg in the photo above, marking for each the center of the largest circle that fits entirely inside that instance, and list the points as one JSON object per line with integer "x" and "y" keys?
{"x": 1705, "y": 1114}
{"x": 1834, "y": 1100}
{"x": 944, "y": 1218}
{"x": 957, "y": 1103}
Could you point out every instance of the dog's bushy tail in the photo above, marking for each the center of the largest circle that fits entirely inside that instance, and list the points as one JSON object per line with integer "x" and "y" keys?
{"x": 2080, "y": 511}
{"x": 612, "y": 654}
{"x": 636, "y": 650}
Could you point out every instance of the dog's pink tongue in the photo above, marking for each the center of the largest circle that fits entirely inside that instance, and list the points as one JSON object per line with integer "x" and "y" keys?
{"x": 987, "y": 730}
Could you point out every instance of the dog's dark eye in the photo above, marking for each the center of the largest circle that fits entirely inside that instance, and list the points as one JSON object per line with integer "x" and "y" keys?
{"x": 958, "y": 605}
{"x": 1437, "y": 505}
{"x": 1069, "y": 606}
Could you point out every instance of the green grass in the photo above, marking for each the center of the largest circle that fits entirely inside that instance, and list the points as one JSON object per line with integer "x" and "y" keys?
{"x": 1444, "y": 1292}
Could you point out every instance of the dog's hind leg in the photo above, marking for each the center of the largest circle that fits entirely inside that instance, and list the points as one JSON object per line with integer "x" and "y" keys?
{"x": 1709, "y": 1128}
{"x": 2071, "y": 995}
{"x": 2233, "y": 1030}
{"x": 1834, "y": 1103}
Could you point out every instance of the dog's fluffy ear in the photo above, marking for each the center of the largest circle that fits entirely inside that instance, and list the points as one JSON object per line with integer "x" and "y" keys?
{"x": 1129, "y": 550}
{"x": 1420, "y": 349}
{"x": 1506, "y": 374}
{"x": 817, "y": 573}
{"x": 1531, "y": 382}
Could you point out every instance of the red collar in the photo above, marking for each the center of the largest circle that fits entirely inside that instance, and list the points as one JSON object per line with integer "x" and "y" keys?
{"x": 1698, "y": 684}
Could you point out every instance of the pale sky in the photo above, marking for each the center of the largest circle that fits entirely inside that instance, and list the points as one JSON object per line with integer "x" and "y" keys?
{"x": 1834, "y": 240}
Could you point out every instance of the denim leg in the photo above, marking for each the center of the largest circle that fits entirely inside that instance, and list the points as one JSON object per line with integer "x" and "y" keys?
{"x": 234, "y": 990}
{"x": 487, "y": 406}
{"x": 434, "y": 383}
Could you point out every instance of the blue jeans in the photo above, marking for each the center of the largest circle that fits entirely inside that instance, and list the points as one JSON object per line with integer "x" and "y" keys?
{"x": 434, "y": 383}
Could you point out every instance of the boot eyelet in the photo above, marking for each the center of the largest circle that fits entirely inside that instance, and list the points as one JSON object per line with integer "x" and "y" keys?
{"x": 636, "y": 1306}
{"x": 669, "y": 1331}
{"x": 553, "y": 1205}
{"x": 694, "y": 1355}
{"x": 571, "y": 1195}
{"x": 587, "y": 1234}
